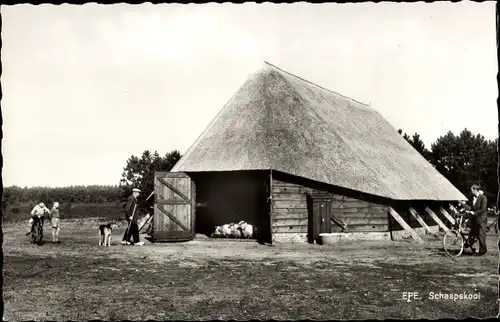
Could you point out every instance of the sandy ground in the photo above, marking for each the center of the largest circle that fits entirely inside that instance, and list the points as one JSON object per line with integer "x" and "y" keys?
{"x": 221, "y": 279}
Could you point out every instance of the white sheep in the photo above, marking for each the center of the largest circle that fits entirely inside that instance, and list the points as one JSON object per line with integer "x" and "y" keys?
{"x": 246, "y": 229}
{"x": 232, "y": 230}
{"x": 236, "y": 231}
{"x": 217, "y": 232}
{"x": 226, "y": 230}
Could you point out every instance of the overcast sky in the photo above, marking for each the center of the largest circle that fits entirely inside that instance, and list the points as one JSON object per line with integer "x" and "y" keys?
{"x": 87, "y": 86}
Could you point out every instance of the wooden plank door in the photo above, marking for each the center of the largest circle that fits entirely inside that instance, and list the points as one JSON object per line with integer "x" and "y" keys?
{"x": 324, "y": 216}
{"x": 175, "y": 206}
{"x": 319, "y": 208}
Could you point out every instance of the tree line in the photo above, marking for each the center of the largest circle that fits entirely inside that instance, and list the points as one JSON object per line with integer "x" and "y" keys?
{"x": 73, "y": 194}
{"x": 464, "y": 159}
{"x": 138, "y": 172}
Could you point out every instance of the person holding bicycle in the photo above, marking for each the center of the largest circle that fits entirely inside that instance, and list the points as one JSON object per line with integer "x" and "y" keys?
{"x": 37, "y": 213}
{"x": 478, "y": 216}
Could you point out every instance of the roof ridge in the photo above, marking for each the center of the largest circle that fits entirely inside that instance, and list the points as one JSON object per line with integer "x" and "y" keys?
{"x": 324, "y": 88}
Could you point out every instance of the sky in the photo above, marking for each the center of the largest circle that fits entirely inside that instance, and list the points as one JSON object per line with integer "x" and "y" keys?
{"x": 85, "y": 87}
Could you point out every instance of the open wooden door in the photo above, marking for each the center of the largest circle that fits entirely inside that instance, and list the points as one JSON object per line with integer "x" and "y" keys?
{"x": 175, "y": 206}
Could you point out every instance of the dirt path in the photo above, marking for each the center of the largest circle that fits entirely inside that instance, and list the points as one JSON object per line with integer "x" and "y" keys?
{"x": 207, "y": 279}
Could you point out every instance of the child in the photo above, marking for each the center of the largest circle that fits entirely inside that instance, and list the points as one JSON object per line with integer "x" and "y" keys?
{"x": 38, "y": 211}
{"x": 54, "y": 220}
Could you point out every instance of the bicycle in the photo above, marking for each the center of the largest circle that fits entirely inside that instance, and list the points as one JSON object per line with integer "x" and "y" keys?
{"x": 37, "y": 232}
{"x": 495, "y": 222}
{"x": 458, "y": 236}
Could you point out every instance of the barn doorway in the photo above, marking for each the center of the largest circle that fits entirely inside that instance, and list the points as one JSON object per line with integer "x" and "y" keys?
{"x": 230, "y": 197}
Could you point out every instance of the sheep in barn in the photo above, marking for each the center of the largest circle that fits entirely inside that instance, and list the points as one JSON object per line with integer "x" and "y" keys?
{"x": 232, "y": 230}
{"x": 226, "y": 230}
{"x": 247, "y": 230}
{"x": 217, "y": 232}
{"x": 236, "y": 231}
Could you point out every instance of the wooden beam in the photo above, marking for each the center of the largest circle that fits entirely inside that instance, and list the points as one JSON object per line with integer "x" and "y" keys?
{"x": 174, "y": 189}
{"x": 436, "y": 219}
{"x": 296, "y": 204}
{"x": 367, "y": 221}
{"x": 447, "y": 215}
{"x": 172, "y": 202}
{"x": 339, "y": 222}
{"x": 193, "y": 207}
{"x": 270, "y": 208}
{"x": 166, "y": 174}
{"x": 289, "y": 221}
{"x": 367, "y": 211}
{"x": 403, "y": 224}
{"x": 144, "y": 221}
{"x": 420, "y": 220}
{"x": 289, "y": 190}
{"x": 361, "y": 228}
{"x": 169, "y": 236}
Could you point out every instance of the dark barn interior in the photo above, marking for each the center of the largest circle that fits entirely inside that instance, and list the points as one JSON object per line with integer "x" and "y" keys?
{"x": 231, "y": 197}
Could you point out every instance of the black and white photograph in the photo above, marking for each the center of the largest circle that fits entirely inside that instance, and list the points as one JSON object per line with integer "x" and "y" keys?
{"x": 253, "y": 161}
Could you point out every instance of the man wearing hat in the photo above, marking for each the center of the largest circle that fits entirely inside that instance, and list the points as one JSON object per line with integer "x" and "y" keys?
{"x": 131, "y": 216}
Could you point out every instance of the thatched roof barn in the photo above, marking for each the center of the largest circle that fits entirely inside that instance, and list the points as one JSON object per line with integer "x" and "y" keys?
{"x": 279, "y": 121}
{"x": 282, "y": 123}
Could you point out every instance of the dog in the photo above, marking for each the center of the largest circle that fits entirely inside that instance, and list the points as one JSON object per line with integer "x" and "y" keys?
{"x": 105, "y": 231}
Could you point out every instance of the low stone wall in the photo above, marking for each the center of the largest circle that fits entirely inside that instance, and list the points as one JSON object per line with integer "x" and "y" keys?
{"x": 290, "y": 238}
{"x": 403, "y": 234}
{"x": 337, "y": 237}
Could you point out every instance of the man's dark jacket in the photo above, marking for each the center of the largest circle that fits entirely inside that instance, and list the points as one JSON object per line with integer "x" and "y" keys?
{"x": 480, "y": 207}
{"x": 129, "y": 209}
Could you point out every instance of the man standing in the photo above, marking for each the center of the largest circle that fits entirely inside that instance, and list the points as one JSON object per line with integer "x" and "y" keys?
{"x": 131, "y": 216}
{"x": 479, "y": 218}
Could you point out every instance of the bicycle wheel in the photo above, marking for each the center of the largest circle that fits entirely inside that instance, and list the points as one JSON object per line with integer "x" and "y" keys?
{"x": 40, "y": 235}
{"x": 453, "y": 243}
{"x": 33, "y": 235}
{"x": 37, "y": 238}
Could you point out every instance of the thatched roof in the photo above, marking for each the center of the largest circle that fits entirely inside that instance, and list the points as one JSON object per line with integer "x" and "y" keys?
{"x": 279, "y": 121}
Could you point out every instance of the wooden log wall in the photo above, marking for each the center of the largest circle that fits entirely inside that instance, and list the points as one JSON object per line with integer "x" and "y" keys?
{"x": 290, "y": 214}
{"x": 289, "y": 208}
{"x": 359, "y": 215}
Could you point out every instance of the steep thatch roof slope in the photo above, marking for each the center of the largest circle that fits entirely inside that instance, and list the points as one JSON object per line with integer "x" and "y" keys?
{"x": 279, "y": 121}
